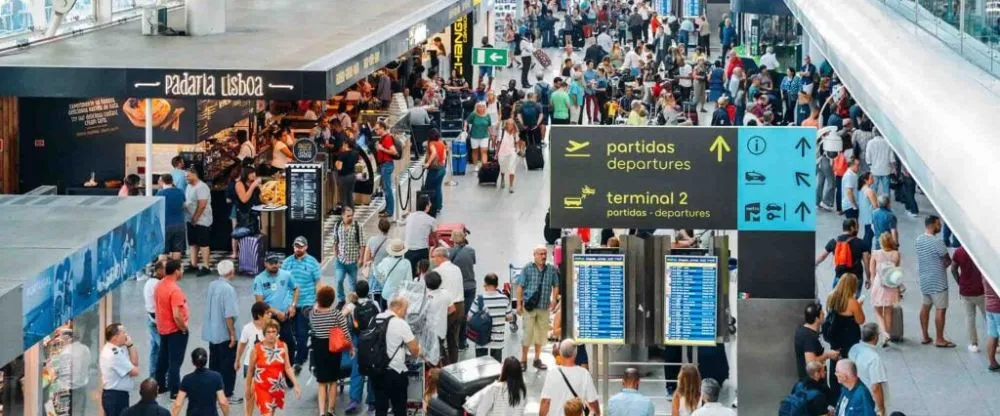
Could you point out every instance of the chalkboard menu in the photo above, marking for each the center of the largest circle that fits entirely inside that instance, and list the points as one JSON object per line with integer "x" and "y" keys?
{"x": 304, "y": 192}
{"x": 599, "y": 298}
{"x": 691, "y": 300}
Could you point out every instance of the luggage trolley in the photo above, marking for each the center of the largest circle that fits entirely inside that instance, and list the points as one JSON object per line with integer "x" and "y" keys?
{"x": 508, "y": 290}
{"x": 415, "y": 388}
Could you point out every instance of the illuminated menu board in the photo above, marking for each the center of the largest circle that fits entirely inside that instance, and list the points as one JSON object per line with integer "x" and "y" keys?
{"x": 691, "y": 296}
{"x": 599, "y": 298}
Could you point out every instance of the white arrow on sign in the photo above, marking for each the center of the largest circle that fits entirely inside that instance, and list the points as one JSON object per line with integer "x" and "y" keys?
{"x": 495, "y": 57}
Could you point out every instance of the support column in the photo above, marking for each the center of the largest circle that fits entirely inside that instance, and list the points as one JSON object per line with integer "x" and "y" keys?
{"x": 149, "y": 148}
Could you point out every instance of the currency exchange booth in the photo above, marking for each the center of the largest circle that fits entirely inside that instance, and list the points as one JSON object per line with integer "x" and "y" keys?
{"x": 654, "y": 303}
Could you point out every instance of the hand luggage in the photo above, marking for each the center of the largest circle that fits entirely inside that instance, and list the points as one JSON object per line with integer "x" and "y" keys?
{"x": 533, "y": 157}
{"x": 459, "y": 156}
{"x": 252, "y": 249}
{"x": 896, "y": 332}
{"x": 551, "y": 234}
{"x": 443, "y": 233}
{"x": 460, "y": 380}
{"x": 489, "y": 172}
{"x": 543, "y": 58}
{"x": 691, "y": 111}
{"x": 438, "y": 407}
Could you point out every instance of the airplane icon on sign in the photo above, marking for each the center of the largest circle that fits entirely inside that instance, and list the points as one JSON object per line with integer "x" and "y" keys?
{"x": 574, "y": 147}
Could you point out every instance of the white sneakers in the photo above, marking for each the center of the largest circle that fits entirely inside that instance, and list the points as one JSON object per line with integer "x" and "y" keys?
{"x": 973, "y": 348}
{"x": 825, "y": 207}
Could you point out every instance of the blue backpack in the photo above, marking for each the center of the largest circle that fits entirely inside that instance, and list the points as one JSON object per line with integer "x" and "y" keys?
{"x": 797, "y": 403}
{"x": 480, "y": 327}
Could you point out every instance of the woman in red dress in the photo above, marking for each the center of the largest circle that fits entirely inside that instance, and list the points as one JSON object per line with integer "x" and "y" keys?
{"x": 269, "y": 365}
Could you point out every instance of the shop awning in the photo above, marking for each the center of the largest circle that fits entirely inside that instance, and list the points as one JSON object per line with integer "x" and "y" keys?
{"x": 280, "y": 49}
{"x": 62, "y": 254}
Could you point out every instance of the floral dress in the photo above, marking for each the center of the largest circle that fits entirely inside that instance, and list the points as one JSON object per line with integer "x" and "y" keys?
{"x": 269, "y": 377}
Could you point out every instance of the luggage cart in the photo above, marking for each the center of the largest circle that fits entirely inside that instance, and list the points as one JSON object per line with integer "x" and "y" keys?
{"x": 508, "y": 290}
{"x": 415, "y": 388}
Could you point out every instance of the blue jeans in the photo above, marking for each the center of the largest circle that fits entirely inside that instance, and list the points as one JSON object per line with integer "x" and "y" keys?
{"x": 881, "y": 185}
{"x": 385, "y": 170}
{"x": 949, "y": 238}
{"x": 301, "y": 334}
{"x": 341, "y": 271}
{"x": 168, "y": 368}
{"x": 358, "y": 381}
{"x": 470, "y": 297}
{"x": 154, "y": 345}
{"x": 434, "y": 181}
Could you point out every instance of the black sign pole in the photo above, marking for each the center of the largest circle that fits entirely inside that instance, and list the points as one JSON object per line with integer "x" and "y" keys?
{"x": 304, "y": 216}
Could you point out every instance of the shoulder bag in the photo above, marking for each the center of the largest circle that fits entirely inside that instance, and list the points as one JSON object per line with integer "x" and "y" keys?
{"x": 532, "y": 302}
{"x": 586, "y": 408}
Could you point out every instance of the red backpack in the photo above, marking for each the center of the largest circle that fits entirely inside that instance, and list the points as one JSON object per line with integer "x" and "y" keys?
{"x": 842, "y": 255}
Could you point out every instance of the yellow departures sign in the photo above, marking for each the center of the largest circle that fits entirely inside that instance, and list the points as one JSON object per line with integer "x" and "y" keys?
{"x": 719, "y": 146}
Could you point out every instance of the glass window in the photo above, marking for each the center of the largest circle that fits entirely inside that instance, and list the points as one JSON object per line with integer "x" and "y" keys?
{"x": 70, "y": 381}
{"x": 122, "y": 5}
{"x": 11, "y": 387}
{"x": 15, "y": 17}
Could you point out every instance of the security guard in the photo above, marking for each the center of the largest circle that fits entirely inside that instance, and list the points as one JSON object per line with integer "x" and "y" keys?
{"x": 119, "y": 365}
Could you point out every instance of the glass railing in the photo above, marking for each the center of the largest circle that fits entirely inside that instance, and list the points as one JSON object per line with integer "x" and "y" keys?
{"x": 970, "y": 27}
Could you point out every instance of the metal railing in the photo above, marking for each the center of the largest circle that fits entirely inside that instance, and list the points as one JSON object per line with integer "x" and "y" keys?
{"x": 974, "y": 34}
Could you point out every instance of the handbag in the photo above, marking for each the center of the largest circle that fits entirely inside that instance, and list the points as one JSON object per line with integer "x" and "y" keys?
{"x": 339, "y": 342}
{"x": 531, "y": 303}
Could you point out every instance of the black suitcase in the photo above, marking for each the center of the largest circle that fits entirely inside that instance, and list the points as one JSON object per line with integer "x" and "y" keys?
{"x": 691, "y": 111}
{"x": 533, "y": 157}
{"x": 438, "y": 407}
{"x": 464, "y": 378}
{"x": 489, "y": 173}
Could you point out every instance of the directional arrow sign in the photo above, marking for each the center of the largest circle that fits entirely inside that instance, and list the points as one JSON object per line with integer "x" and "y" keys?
{"x": 800, "y": 179}
{"x": 489, "y": 56}
{"x": 802, "y": 210}
{"x": 803, "y": 145}
{"x": 719, "y": 146}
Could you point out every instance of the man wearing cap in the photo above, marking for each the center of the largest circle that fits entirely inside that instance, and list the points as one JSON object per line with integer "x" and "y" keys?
{"x": 393, "y": 270}
{"x": 305, "y": 277}
{"x": 275, "y": 288}
{"x": 119, "y": 364}
{"x": 219, "y": 329}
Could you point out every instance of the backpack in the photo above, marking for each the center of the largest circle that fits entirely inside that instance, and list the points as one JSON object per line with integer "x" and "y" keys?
{"x": 398, "y": 145}
{"x": 480, "y": 326}
{"x": 840, "y": 165}
{"x": 797, "y": 402}
{"x": 373, "y": 354}
{"x": 842, "y": 255}
{"x": 416, "y": 317}
{"x": 544, "y": 91}
{"x": 364, "y": 315}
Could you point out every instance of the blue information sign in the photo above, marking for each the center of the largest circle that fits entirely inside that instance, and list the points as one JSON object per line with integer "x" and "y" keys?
{"x": 691, "y": 294}
{"x": 599, "y": 298}
{"x": 776, "y": 183}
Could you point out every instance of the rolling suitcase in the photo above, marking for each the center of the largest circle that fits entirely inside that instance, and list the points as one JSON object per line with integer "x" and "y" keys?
{"x": 543, "y": 58}
{"x": 252, "y": 249}
{"x": 691, "y": 111}
{"x": 489, "y": 173}
{"x": 443, "y": 233}
{"x": 438, "y": 407}
{"x": 464, "y": 378}
{"x": 533, "y": 157}
{"x": 896, "y": 332}
{"x": 459, "y": 156}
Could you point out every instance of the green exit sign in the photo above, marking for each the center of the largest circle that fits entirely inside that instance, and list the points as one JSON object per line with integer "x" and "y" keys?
{"x": 489, "y": 56}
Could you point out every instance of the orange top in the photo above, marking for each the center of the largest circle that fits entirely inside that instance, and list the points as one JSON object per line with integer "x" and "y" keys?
{"x": 167, "y": 296}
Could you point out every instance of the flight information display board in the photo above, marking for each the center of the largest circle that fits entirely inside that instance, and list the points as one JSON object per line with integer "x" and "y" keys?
{"x": 599, "y": 298}
{"x": 691, "y": 295}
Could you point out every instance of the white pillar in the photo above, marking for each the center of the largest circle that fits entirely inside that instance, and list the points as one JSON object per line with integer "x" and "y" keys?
{"x": 205, "y": 17}
{"x": 149, "y": 147}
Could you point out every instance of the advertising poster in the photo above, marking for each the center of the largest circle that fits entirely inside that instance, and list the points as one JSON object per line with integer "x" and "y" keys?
{"x": 127, "y": 117}
{"x": 75, "y": 284}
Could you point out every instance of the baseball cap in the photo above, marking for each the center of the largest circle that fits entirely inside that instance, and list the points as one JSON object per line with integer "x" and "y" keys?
{"x": 300, "y": 241}
{"x": 273, "y": 258}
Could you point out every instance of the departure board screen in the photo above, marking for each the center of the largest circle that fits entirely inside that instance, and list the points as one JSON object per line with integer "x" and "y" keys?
{"x": 599, "y": 298}
{"x": 691, "y": 295}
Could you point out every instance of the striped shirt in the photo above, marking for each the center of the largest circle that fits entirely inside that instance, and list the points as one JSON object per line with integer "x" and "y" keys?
{"x": 305, "y": 277}
{"x": 498, "y": 306}
{"x": 930, "y": 264}
{"x": 322, "y": 321}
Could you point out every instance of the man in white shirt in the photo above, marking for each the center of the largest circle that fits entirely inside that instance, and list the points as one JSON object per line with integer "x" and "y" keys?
{"x": 451, "y": 280}
{"x": 769, "y": 59}
{"x": 566, "y": 382}
{"x": 606, "y": 42}
{"x": 149, "y": 299}
{"x": 391, "y": 384}
{"x": 685, "y": 81}
{"x": 878, "y": 154}
{"x": 871, "y": 369}
{"x": 710, "y": 390}
{"x": 438, "y": 308}
{"x": 632, "y": 61}
{"x": 198, "y": 205}
{"x": 419, "y": 226}
{"x": 74, "y": 370}
{"x": 119, "y": 364}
